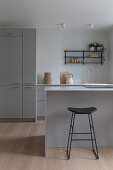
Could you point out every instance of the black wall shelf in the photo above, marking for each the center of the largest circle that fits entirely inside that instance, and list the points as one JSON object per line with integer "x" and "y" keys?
{"x": 86, "y": 57}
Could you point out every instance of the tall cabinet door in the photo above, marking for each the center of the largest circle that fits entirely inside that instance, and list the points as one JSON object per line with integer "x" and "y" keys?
{"x": 11, "y": 32}
{"x": 29, "y": 101}
{"x": 10, "y": 102}
{"x": 29, "y": 56}
{"x": 10, "y": 60}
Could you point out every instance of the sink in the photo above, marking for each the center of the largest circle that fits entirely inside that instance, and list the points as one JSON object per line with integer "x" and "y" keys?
{"x": 95, "y": 84}
{"x": 98, "y": 85}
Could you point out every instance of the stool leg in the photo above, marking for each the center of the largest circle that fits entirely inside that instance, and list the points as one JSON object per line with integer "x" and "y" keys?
{"x": 70, "y": 130}
{"x": 91, "y": 131}
{"x": 70, "y": 135}
{"x": 92, "y": 125}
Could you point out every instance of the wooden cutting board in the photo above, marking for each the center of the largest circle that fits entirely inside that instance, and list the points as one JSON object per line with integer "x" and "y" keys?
{"x": 63, "y": 77}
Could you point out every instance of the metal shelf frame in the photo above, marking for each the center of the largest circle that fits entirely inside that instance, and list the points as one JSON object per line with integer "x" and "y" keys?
{"x": 83, "y": 56}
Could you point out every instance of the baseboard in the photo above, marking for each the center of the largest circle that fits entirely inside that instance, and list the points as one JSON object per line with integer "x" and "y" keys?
{"x": 6, "y": 120}
{"x": 40, "y": 117}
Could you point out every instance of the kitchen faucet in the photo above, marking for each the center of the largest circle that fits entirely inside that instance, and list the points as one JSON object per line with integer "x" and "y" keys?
{"x": 91, "y": 80}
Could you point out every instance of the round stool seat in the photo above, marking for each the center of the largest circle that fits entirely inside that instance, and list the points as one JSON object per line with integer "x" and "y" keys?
{"x": 87, "y": 110}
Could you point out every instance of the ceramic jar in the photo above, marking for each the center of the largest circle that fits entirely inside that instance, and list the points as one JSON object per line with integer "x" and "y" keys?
{"x": 47, "y": 78}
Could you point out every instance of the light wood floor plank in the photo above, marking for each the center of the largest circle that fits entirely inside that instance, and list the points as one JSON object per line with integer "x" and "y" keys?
{"x": 22, "y": 148}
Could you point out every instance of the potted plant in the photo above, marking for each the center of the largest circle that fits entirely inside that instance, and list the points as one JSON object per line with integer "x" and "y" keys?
{"x": 100, "y": 47}
{"x": 92, "y": 47}
{"x": 103, "y": 48}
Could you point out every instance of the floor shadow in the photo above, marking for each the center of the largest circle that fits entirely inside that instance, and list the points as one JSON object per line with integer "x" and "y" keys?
{"x": 33, "y": 145}
{"x": 81, "y": 153}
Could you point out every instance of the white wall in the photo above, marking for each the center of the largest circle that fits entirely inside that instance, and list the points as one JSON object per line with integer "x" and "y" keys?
{"x": 111, "y": 56}
{"x": 50, "y": 54}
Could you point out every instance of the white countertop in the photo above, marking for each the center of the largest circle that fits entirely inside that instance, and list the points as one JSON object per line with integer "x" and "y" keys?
{"x": 59, "y": 85}
{"x": 79, "y": 84}
{"x": 76, "y": 88}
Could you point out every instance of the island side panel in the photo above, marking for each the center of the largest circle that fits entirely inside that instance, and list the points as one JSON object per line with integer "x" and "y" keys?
{"x": 58, "y": 117}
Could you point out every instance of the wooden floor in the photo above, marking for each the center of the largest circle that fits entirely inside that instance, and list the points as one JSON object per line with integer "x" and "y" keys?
{"x": 22, "y": 148}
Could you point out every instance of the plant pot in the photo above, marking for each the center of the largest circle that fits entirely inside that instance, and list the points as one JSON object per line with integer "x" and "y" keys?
{"x": 92, "y": 48}
{"x": 99, "y": 48}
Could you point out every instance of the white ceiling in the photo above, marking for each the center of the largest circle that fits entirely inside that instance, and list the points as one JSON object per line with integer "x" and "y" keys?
{"x": 48, "y": 13}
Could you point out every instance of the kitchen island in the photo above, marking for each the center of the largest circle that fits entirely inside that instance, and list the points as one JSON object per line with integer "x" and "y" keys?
{"x": 59, "y": 98}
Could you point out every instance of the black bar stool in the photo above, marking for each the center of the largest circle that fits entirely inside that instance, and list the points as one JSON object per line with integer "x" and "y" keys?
{"x": 87, "y": 111}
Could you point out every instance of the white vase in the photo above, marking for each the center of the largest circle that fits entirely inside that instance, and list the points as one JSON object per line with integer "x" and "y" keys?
{"x": 92, "y": 48}
{"x": 99, "y": 48}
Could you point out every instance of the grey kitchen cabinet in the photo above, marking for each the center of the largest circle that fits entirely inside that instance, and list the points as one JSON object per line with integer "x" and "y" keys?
{"x": 11, "y": 32}
{"x": 10, "y": 101}
{"x": 29, "y": 56}
{"x": 29, "y": 101}
{"x": 41, "y": 100}
{"x": 10, "y": 60}
{"x": 41, "y": 108}
{"x": 17, "y": 68}
{"x": 41, "y": 95}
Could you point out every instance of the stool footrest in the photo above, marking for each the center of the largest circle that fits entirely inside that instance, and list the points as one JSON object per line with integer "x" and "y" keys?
{"x": 81, "y": 139}
{"x": 81, "y": 133}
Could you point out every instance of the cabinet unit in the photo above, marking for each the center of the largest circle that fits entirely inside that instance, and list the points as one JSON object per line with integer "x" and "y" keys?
{"x": 17, "y": 68}
{"x": 29, "y": 101}
{"x": 10, "y": 60}
{"x": 41, "y": 107}
{"x": 10, "y": 102}
{"x": 11, "y": 32}
{"x": 41, "y": 101}
{"x": 29, "y": 56}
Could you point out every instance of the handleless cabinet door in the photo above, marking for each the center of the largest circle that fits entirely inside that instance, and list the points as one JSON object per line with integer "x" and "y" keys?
{"x": 41, "y": 107}
{"x": 10, "y": 60}
{"x": 10, "y": 32}
{"x": 10, "y": 102}
{"x": 29, "y": 56}
{"x": 29, "y": 101}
